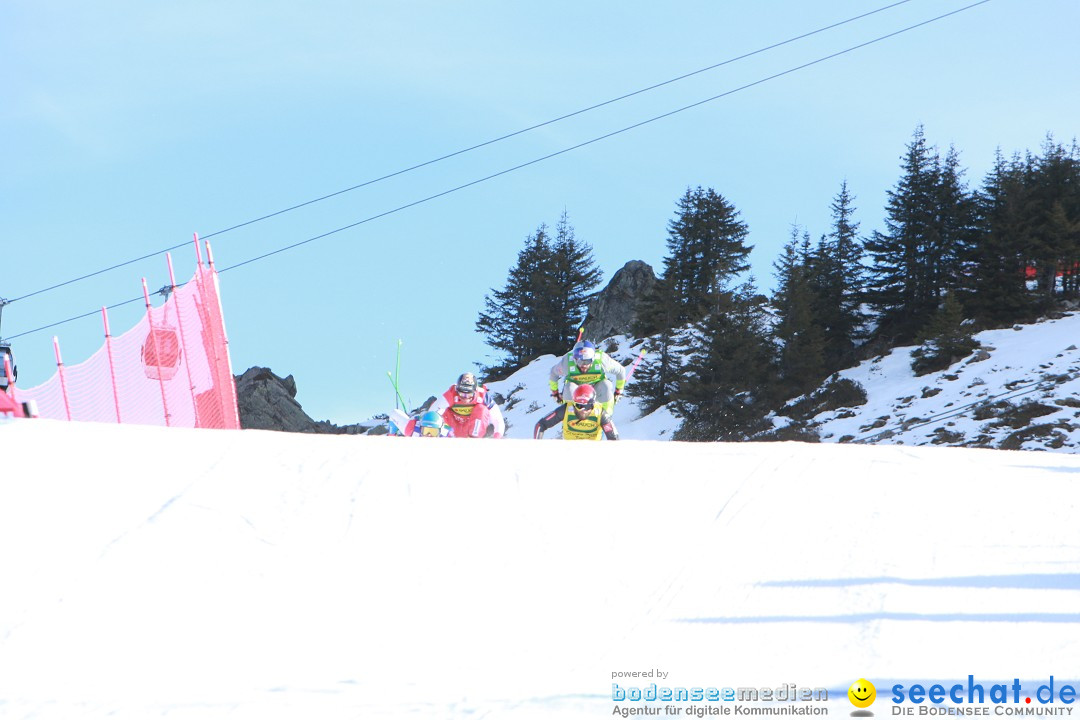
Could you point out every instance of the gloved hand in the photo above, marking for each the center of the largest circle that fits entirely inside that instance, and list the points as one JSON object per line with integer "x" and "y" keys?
{"x": 556, "y": 395}
{"x": 618, "y": 394}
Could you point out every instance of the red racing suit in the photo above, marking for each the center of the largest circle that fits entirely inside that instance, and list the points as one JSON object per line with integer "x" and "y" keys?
{"x": 469, "y": 419}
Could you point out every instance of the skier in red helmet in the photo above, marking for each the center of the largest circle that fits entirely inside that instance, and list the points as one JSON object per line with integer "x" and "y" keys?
{"x": 585, "y": 419}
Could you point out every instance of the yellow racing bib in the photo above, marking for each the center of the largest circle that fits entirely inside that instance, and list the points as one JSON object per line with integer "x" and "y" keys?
{"x": 584, "y": 429}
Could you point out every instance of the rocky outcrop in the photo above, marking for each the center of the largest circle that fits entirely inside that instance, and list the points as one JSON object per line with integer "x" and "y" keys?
{"x": 612, "y": 311}
{"x": 268, "y": 402}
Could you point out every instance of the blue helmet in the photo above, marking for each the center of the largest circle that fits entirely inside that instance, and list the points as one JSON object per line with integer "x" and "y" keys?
{"x": 430, "y": 424}
{"x": 584, "y": 352}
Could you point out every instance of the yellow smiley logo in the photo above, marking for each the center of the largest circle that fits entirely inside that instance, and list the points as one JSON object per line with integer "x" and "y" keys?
{"x": 862, "y": 693}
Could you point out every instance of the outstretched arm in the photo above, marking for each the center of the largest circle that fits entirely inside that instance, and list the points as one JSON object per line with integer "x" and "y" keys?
{"x": 495, "y": 415}
{"x": 608, "y": 426}
{"x": 558, "y": 370}
{"x": 614, "y": 368}
{"x": 549, "y": 421}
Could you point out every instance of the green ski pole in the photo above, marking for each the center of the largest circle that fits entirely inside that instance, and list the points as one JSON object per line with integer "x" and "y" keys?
{"x": 397, "y": 376}
{"x": 397, "y": 392}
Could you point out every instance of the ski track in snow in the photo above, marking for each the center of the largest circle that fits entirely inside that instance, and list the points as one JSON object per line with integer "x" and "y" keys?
{"x": 274, "y": 576}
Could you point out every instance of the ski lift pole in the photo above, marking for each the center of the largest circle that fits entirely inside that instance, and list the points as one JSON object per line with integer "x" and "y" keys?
{"x": 397, "y": 393}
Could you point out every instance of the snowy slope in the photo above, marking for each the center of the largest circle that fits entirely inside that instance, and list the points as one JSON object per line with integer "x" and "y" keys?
{"x": 1020, "y": 391}
{"x": 157, "y": 573}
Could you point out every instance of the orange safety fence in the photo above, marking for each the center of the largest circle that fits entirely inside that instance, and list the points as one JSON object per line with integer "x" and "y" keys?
{"x": 171, "y": 369}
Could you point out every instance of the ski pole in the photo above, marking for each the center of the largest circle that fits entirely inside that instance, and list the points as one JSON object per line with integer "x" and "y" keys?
{"x": 633, "y": 366}
{"x": 397, "y": 376}
{"x": 397, "y": 392}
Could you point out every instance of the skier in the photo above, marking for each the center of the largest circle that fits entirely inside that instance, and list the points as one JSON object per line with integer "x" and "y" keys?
{"x": 585, "y": 365}
{"x": 470, "y": 411}
{"x": 430, "y": 424}
{"x": 7, "y": 360}
{"x": 586, "y": 422}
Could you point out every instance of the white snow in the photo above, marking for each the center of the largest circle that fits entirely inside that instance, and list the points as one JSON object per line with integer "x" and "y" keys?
{"x": 1029, "y": 363}
{"x": 1032, "y": 363}
{"x": 166, "y": 573}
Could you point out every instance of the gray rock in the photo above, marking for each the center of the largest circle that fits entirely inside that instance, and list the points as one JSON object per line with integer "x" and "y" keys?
{"x": 268, "y": 402}
{"x": 612, "y": 311}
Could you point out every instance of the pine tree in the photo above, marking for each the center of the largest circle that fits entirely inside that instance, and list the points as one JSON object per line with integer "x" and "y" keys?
{"x": 706, "y": 246}
{"x": 1067, "y": 229}
{"x": 572, "y": 277}
{"x": 656, "y": 381}
{"x": 957, "y": 227}
{"x": 801, "y": 361}
{"x": 705, "y": 249}
{"x": 838, "y": 278}
{"x": 724, "y": 391}
{"x": 1053, "y": 206}
{"x": 944, "y": 340}
{"x": 915, "y": 261}
{"x": 995, "y": 283}
{"x": 544, "y": 300}
{"x": 898, "y": 283}
{"x": 512, "y": 318}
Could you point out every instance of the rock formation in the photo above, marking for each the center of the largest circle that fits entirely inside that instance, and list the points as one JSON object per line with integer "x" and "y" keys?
{"x": 612, "y": 310}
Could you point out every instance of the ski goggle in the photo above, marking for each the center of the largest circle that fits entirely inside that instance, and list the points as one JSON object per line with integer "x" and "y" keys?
{"x": 429, "y": 431}
{"x": 465, "y": 394}
{"x": 583, "y": 406}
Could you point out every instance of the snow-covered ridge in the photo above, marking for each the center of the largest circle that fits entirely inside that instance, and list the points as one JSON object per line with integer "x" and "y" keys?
{"x": 1020, "y": 390}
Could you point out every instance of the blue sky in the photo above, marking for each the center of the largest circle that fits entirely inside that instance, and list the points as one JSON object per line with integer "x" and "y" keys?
{"x": 128, "y": 126}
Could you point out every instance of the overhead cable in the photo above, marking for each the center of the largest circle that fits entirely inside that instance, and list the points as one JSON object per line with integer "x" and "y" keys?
{"x": 467, "y": 149}
{"x": 549, "y": 156}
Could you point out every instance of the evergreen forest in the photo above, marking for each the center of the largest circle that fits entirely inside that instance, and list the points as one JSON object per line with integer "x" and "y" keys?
{"x": 949, "y": 260}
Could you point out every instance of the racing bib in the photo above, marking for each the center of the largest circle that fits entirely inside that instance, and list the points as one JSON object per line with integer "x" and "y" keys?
{"x": 587, "y": 429}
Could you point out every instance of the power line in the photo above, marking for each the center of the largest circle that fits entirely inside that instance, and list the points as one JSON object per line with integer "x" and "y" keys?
{"x": 549, "y": 156}
{"x": 600, "y": 138}
{"x": 467, "y": 149}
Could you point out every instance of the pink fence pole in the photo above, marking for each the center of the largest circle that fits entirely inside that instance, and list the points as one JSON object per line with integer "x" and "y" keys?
{"x": 183, "y": 341}
{"x": 157, "y": 350}
{"x": 112, "y": 367}
{"x": 63, "y": 383}
{"x": 230, "y": 381}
